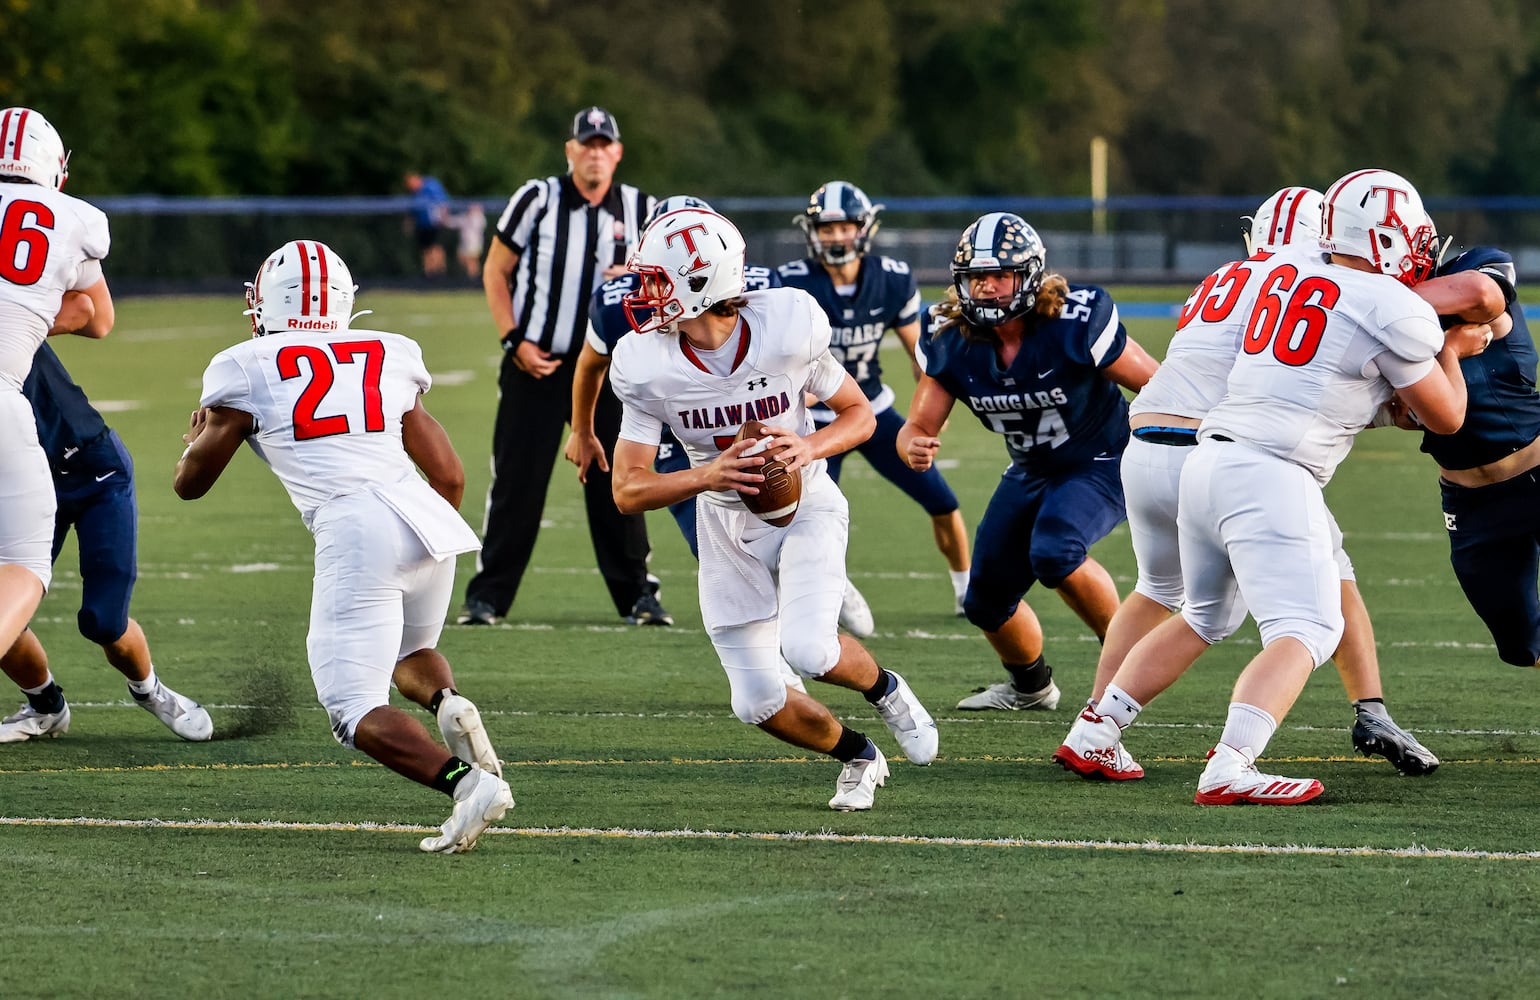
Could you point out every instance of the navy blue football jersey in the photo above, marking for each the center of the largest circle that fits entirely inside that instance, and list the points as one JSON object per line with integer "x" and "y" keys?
{"x": 1053, "y": 405}
{"x": 607, "y": 317}
{"x": 885, "y": 297}
{"x": 70, "y": 430}
{"x": 1502, "y": 410}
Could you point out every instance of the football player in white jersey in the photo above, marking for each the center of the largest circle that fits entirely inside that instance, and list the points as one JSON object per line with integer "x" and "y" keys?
{"x": 337, "y": 414}
{"x": 711, "y": 359}
{"x": 50, "y": 245}
{"x": 1329, "y": 334}
{"x": 1165, "y": 418}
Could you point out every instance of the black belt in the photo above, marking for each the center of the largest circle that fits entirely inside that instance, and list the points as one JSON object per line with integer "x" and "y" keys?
{"x": 1179, "y": 437}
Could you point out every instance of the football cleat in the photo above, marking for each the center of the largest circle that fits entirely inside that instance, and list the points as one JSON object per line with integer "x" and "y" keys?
{"x": 481, "y": 799}
{"x": 181, "y": 714}
{"x": 857, "y": 787}
{"x": 1232, "y": 779}
{"x": 1005, "y": 696}
{"x": 647, "y": 611}
{"x": 1094, "y": 749}
{"x": 909, "y": 722}
{"x": 30, "y": 724}
{"x": 1379, "y": 736}
{"x": 464, "y": 735}
{"x": 856, "y": 614}
{"x": 477, "y": 613}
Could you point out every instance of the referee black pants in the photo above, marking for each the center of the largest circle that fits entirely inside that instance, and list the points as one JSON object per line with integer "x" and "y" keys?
{"x": 532, "y": 414}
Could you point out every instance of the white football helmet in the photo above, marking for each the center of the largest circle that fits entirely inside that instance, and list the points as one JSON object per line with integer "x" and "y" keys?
{"x": 688, "y": 262}
{"x": 31, "y": 148}
{"x": 1292, "y": 215}
{"x": 1378, "y": 215}
{"x": 303, "y": 285}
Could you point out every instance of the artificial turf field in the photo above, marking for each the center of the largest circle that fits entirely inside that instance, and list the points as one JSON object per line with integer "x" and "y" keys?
{"x": 660, "y": 848}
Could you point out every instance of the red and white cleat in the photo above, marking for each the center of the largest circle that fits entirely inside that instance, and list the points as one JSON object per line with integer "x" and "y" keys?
{"x": 1231, "y": 779}
{"x": 1094, "y": 749}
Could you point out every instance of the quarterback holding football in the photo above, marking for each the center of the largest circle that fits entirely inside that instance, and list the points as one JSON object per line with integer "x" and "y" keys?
{"x": 711, "y": 360}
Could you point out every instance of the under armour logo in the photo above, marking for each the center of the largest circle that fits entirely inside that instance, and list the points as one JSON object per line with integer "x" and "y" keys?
{"x": 758, "y": 383}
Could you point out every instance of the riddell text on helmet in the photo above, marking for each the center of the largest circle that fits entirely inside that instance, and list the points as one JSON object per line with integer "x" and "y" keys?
{"x": 313, "y": 324}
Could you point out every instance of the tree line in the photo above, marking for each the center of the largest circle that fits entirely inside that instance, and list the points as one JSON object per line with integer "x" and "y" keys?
{"x": 772, "y": 97}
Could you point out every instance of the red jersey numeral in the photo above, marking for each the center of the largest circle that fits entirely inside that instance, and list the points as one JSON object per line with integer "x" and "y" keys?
{"x": 1213, "y": 300}
{"x": 306, "y": 424}
{"x": 15, "y": 232}
{"x": 1293, "y": 328}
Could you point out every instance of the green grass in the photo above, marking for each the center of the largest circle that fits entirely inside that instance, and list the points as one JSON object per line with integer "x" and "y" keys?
{"x": 990, "y": 873}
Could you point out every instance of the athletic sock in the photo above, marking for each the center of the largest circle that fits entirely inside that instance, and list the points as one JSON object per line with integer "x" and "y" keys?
{"x": 852, "y": 745}
{"x": 438, "y": 699}
{"x": 46, "y": 699}
{"x": 143, "y": 689}
{"x": 450, "y": 775}
{"x": 886, "y": 685}
{"x": 1248, "y": 727}
{"x": 1118, "y": 706}
{"x": 959, "y": 582}
{"x": 1029, "y": 678}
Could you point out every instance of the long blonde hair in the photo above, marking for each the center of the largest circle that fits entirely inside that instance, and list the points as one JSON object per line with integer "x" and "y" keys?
{"x": 1051, "y": 297}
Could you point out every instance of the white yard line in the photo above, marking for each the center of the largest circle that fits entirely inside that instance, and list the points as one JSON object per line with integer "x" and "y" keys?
{"x": 899, "y": 840}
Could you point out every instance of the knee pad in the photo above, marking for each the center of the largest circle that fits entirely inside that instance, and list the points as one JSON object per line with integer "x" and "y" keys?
{"x": 756, "y": 701}
{"x": 101, "y": 629}
{"x": 1320, "y": 638}
{"x": 987, "y": 613}
{"x": 755, "y": 672}
{"x": 811, "y": 655}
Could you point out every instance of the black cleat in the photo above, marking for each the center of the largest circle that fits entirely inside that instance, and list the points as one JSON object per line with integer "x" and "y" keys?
{"x": 1375, "y": 736}
{"x": 647, "y": 611}
{"x": 477, "y": 613}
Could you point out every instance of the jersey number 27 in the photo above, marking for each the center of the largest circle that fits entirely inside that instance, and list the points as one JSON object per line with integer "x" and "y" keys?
{"x": 307, "y": 424}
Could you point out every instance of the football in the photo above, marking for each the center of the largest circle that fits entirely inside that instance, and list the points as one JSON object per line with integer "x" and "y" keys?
{"x": 778, "y": 496}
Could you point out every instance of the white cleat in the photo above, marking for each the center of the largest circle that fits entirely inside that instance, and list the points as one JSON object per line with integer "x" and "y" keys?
{"x": 857, "y": 787}
{"x": 1094, "y": 749}
{"x": 29, "y": 724}
{"x": 856, "y": 614}
{"x": 1004, "y": 696}
{"x": 465, "y": 736}
{"x": 481, "y": 799}
{"x": 1231, "y": 779}
{"x": 181, "y": 714}
{"x": 909, "y": 723}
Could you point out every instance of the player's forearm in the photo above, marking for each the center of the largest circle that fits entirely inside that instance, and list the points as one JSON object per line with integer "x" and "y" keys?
{"x": 849, "y": 429}
{"x": 639, "y": 490}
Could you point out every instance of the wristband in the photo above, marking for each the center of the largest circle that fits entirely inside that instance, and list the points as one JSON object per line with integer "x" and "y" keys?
{"x": 510, "y": 339}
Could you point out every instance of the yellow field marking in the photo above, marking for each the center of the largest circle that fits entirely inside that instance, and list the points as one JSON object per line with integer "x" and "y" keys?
{"x": 901, "y": 840}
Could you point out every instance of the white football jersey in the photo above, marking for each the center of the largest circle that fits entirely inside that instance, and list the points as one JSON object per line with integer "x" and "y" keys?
{"x": 328, "y": 409}
{"x": 47, "y": 239}
{"x": 1322, "y": 348}
{"x": 786, "y": 353}
{"x": 1192, "y": 376}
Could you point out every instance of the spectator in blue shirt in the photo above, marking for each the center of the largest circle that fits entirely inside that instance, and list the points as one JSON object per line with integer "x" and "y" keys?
{"x": 430, "y": 214}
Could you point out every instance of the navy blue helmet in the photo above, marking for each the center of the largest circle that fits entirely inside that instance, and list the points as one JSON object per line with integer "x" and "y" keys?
{"x": 839, "y": 201}
{"x": 999, "y": 241}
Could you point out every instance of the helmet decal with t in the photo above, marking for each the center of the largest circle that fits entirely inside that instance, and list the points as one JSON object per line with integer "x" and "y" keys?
{"x": 1004, "y": 242}
{"x": 304, "y": 286}
{"x": 30, "y": 149}
{"x": 1289, "y": 216}
{"x": 839, "y": 201}
{"x": 688, "y": 261}
{"x": 675, "y": 203}
{"x": 1378, "y": 215}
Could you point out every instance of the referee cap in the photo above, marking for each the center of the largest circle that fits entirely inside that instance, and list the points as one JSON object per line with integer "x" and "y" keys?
{"x": 594, "y": 121}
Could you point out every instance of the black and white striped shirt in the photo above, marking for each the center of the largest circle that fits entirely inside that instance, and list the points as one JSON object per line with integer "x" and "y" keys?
{"x": 564, "y": 244}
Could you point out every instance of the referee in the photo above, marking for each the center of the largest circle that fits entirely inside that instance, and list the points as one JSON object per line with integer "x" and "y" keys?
{"x": 559, "y": 238}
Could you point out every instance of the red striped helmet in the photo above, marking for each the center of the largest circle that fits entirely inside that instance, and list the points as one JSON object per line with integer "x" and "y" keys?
{"x": 31, "y": 148}
{"x": 1290, "y": 216}
{"x": 302, "y": 286}
{"x": 1378, "y": 215}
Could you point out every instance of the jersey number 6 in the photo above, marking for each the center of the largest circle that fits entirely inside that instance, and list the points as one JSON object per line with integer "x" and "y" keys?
{"x": 306, "y": 424}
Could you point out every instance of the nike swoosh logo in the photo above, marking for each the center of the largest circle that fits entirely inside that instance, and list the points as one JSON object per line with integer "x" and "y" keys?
{"x": 877, "y": 311}
{"x": 1045, "y": 374}
{"x": 70, "y": 452}
{"x": 107, "y": 475}
{"x": 1105, "y": 458}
